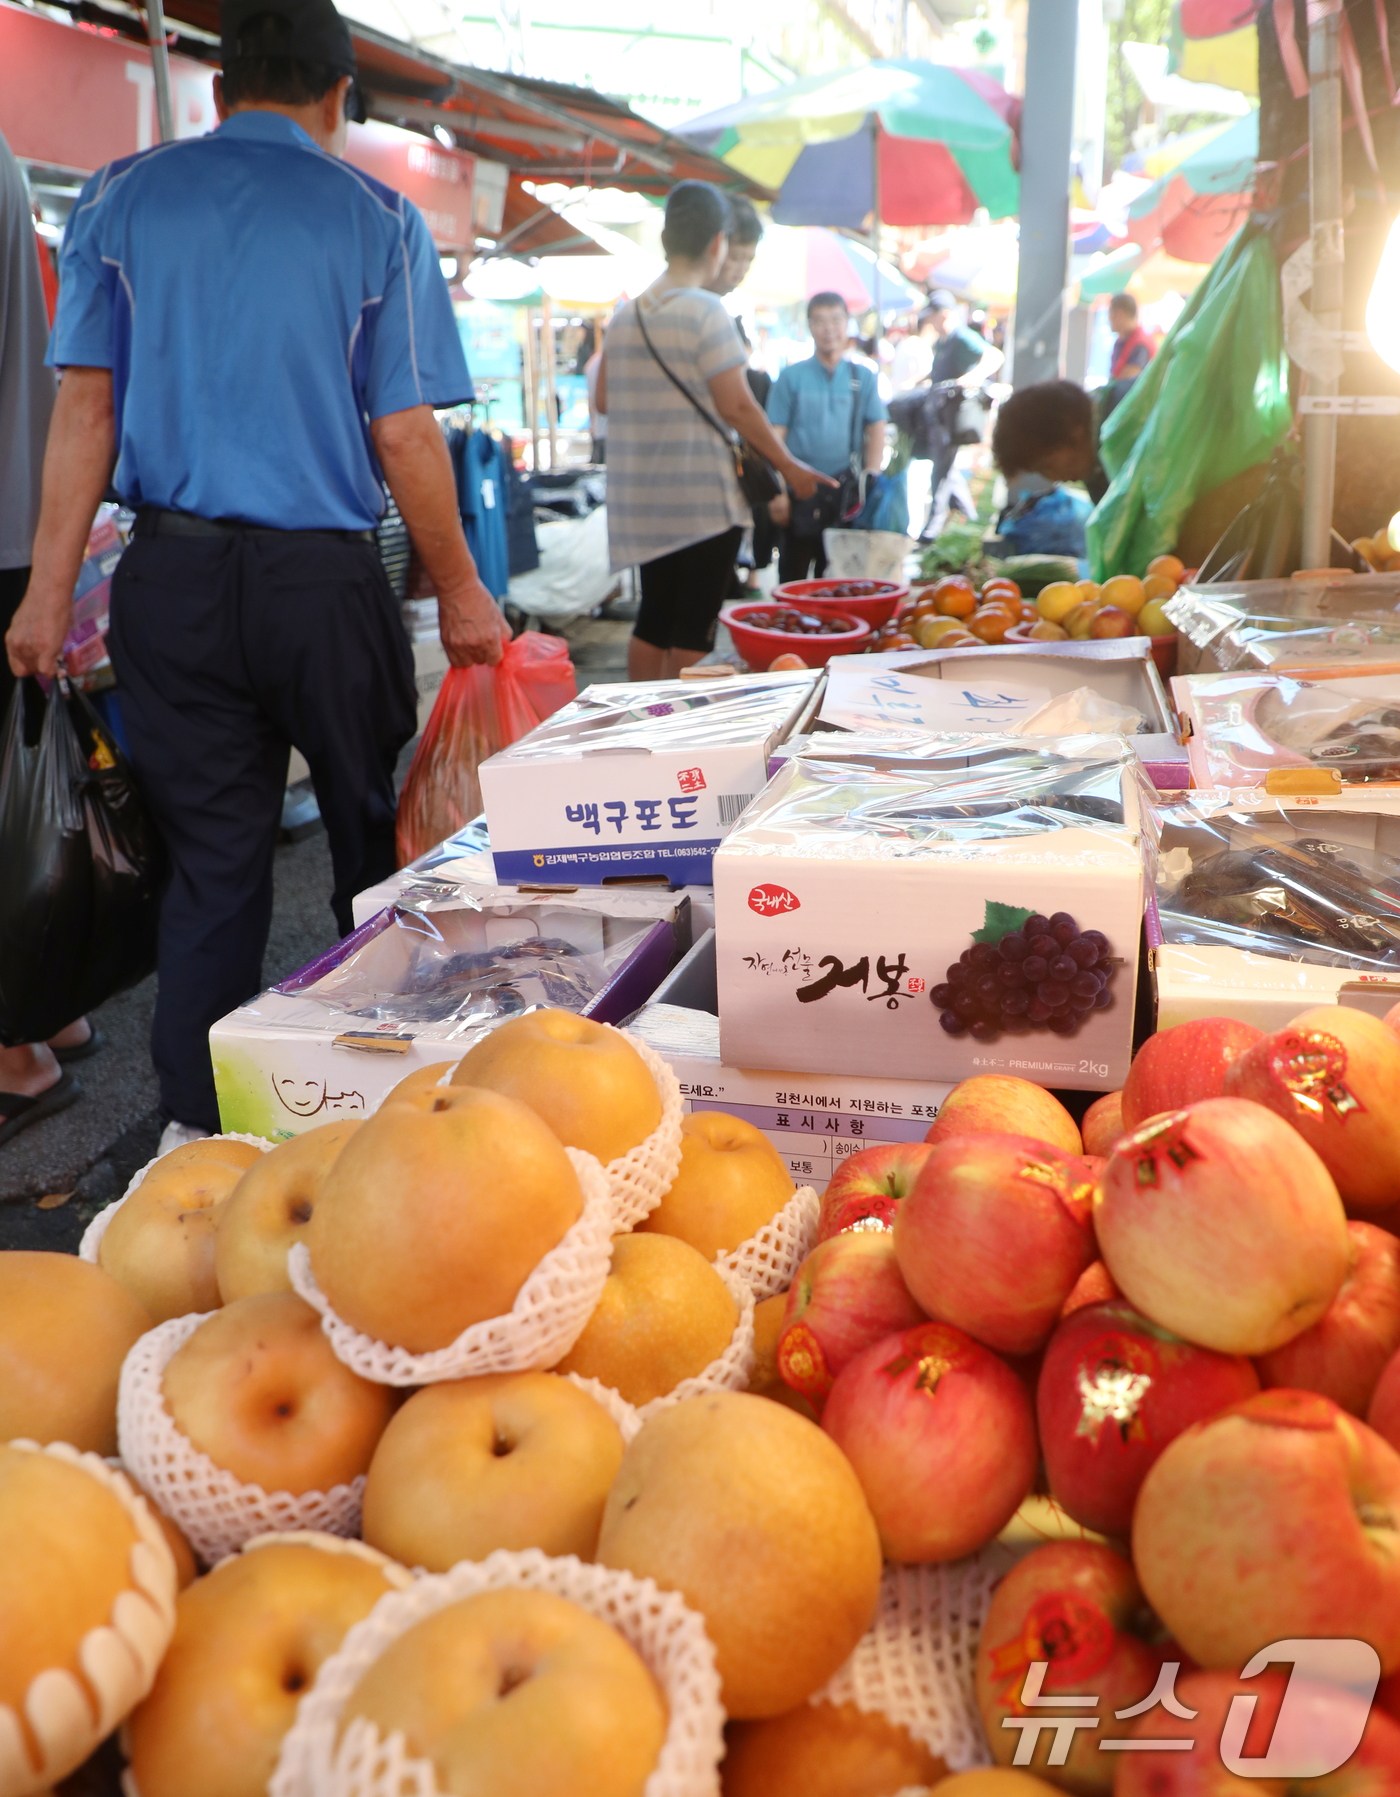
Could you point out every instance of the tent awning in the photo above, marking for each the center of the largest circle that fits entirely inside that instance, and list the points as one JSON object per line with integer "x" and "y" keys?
{"x": 538, "y": 129}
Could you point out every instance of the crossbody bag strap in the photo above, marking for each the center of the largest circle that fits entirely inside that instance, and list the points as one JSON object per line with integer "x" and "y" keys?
{"x": 676, "y": 381}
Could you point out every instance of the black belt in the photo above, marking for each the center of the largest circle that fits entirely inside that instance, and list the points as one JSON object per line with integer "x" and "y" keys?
{"x": 152, "y": 522}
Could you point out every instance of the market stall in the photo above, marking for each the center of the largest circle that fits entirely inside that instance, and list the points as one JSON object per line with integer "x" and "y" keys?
{"x": 924, "y": 1227}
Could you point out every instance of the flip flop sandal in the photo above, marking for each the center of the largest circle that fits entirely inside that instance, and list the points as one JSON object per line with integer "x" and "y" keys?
{"x": 17, "y": 1111}
{"x": 81, "y": 1051}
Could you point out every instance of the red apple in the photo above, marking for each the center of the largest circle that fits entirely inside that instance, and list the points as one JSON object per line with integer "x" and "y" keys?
{"x": 1103, "y": 1127}
{"x": 1312, "y": 1725}
{"x": 1114, "y": 1390}
{"x": 942, "y": 1438}
{"x": 1334, "y": 1074}
{"x": 847, "y": 1294}
{"x": 993, "y": 1237}
{"x": 1176, "y": 1067}
{"x": 1384, "y": 1413}
{"x": 1073, "y": 1605}
{"x": 1221, "y": 1224}
{"x": 868, "y": 1186}
{"x": 1345, "y": 1352}
{"x": 1093, "y": 1286}
{"x": 995, "y": 1104}
{"x": 1388, "y": 1691}
{"x": 1275, "y": 1520}
{"x": 1391, "y": 1020}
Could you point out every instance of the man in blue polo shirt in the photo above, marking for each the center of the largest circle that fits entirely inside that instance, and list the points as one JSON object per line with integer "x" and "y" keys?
{"x": 250, "y": 331}
{"x": 829, "y": 413}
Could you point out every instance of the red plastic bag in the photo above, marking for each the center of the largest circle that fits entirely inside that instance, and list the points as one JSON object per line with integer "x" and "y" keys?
{"x": 544, "y": 671}
{"x": 478, "y": 711}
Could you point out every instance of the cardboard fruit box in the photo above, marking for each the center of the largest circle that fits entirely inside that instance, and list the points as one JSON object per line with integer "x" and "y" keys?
{"x": 851, "y": 889}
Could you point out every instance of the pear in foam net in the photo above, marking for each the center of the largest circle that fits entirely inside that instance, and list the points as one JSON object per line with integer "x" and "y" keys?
{"x": 160, "y": 1244}
{"x": 588, "y": 1082}
{"x": 65, "y": 1328}
{"x": 250, "y": 1637}
{"x": 518, "y": 1692}
{"x": 732, "y": 1181}
{"x": 512, "y": 1460}
{"x": 664, "y": 1315}
{"x": 435, "y": 1213}
{"x": 269, "y": 1209}
{"x": 87, "y": 1604}
{"x": 258, "y": 1389}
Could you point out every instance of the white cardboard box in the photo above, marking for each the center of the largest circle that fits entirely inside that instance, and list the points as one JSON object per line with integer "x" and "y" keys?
{"x": 814, "y": 1123}
{"x": 993, "y": 690}
{"x": 848, "y": 889}
{"x": 638, "y": 780}
{"x": 398, "y": 994}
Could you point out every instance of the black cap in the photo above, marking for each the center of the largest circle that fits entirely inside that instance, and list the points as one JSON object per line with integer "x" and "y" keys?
{"x": 306, "y": 30}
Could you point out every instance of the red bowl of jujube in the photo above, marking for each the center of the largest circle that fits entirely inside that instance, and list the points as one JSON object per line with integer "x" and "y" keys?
{"x": 874, "y": 600}
{"x": 764, "y": 629}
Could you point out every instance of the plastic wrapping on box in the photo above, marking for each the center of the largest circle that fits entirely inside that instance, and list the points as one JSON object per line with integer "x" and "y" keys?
{"x": 1336, "y": 620}
{"x": 1254, "y": 729}
{"x": 1293, "y": 885}
{"x": 462, "y": 969}
{"x": 934, "y": 791}
{"x": 665, "y": 714}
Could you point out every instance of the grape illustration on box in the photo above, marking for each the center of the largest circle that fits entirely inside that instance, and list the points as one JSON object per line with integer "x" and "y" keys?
{"x": 1023, "y": 972}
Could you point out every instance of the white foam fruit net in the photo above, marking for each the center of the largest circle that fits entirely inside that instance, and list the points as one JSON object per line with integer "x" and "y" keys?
{"x": 545, "y": 1321}
{"x": 669, "y": 1638}
{"x": 916, "y": 1664}
{"x": 215, "y": 1512}
{"x": 67, "y": 1715}
{"x": 627, "y": 1417}
{"x": 768, "y": 1261}
{"x": 641, "y": 1178}
{"x": 93, "y": 1234}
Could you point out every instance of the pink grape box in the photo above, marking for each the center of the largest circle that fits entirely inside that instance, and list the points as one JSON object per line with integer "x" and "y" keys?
{"x": 976, "y": 910}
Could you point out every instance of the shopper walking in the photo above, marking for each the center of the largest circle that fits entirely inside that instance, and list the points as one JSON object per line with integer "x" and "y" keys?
{"x": 233, "y": 308}
{"x": 828, "y": 411}
{"x": 672, "y": 379}
{"x": 33, "y": 1083}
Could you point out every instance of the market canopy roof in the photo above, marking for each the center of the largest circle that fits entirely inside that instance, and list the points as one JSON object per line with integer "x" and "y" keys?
{"x": 538, "y": 129}
{"x": 1195, "y": 208}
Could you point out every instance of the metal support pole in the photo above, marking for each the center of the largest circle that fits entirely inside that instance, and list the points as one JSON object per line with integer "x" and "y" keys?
{"x": 547, "y": 357}
{"x": 1047, "y": 140}
{"x": 1328, "y": 258}
{"x": 160, "y": 68}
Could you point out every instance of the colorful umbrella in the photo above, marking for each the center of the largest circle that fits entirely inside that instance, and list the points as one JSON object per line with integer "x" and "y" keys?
{"x": 792, "y": 265}
{"x": 901, "y": 142}
{"x": 1196, "y": 208}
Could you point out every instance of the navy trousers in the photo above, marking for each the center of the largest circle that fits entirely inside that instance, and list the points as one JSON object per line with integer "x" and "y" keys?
{"x": 228, "y": 651}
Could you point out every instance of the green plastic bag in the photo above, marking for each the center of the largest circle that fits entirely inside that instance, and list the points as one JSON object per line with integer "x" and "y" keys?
{"x": 1211, "y": 403}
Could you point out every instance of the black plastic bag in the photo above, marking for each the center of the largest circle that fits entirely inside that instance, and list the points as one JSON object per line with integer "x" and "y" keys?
{"x": 80, "y": 866}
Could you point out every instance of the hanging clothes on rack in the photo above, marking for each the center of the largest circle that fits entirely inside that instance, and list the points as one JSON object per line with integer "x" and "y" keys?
{"x": 478, "y": 466}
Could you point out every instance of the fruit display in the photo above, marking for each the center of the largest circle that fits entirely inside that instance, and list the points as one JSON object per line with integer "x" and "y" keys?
{"x": 1025, "y": 608}
{"x": 875, "y": 601}
{"x": 1139, "y": 1376}
{"x": 763, "y": 630}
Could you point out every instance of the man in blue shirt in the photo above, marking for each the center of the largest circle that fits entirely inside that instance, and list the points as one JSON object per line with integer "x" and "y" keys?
{"x": 250, "y": 331}
{"x": 829, "y": 413}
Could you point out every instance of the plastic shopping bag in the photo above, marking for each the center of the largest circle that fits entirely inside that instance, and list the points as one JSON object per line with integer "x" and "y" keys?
{"x": 478, "y": 711}
{"x": 1211, "y": 403}
{"x": 80, "y": 865}
{"x": 541, "y": 664}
